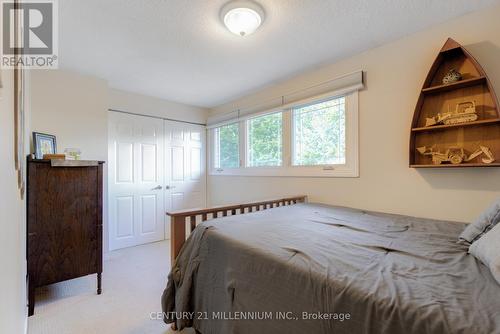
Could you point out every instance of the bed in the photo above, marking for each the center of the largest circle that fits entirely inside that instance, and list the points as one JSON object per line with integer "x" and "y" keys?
{"x": 312, "y": 268}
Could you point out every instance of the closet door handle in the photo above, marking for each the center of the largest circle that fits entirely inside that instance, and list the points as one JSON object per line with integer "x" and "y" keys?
{"x": 157, "y": 188}
{"x": 169, "y": 187}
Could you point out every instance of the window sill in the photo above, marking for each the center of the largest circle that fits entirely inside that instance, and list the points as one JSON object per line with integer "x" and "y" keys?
{"x": 294, "y": 171}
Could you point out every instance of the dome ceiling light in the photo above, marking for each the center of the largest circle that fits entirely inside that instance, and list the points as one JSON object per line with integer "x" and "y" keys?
{"x": 242, "y": 17}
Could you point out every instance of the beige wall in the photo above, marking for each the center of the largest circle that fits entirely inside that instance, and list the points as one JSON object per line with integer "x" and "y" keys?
{"x": 395, "y": 73}
{"x": 13, "y": 224}
{"x": 72, "y": 107}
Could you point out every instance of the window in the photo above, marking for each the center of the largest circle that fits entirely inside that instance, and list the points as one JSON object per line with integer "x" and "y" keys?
{"x": 319, "y": 133}
{"x": 227, "y": 146}
{"x": 265, "y": 140}
{"x": 311, "y": 138}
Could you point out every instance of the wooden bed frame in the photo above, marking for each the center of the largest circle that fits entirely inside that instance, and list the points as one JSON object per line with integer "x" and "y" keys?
{"x": 179, "y": 218}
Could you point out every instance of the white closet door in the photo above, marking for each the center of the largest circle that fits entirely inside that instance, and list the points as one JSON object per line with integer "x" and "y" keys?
{"x": 136, "y": 180}
{"x": 185, "y": 161}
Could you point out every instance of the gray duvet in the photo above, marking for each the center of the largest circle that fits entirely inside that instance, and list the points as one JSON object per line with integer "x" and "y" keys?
{"x": 312, "y": 268}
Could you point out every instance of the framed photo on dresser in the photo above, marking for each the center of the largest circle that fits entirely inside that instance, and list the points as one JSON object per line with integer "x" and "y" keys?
{"x": 44, "y": 144}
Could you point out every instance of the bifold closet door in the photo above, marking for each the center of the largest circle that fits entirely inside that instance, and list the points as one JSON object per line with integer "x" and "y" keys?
{"x": 136, "y": 180}
{"x": 185, "y": 162}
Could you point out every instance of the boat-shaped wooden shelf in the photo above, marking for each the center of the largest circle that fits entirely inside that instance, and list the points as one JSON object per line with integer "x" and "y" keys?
{"x": 475, "y": 142}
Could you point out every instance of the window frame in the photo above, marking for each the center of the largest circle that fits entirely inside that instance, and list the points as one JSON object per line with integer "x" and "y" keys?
{"x": 349, "y": 169}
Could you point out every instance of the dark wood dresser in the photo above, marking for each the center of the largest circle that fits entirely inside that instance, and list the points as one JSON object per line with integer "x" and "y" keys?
{"x": 64, "y": 232}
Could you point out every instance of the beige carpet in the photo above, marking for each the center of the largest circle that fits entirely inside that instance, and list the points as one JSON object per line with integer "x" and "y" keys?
{"x": 133, "y": 281}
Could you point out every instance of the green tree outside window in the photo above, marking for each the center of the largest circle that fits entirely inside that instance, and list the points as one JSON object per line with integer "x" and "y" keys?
{"x": 265, "y": 140}
{"x": 319, "y": 133}
{"x": 228, "y": 138}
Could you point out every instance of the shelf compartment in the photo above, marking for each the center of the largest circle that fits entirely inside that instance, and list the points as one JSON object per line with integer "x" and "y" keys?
{"x": 456, "y": 85}
{"x": 470, "y": 139}
{"x": 461, "y": 125}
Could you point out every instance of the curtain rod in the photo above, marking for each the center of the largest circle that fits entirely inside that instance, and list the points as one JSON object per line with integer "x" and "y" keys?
{"x": 291, "y": 93}
{"x": 158, "y": 117}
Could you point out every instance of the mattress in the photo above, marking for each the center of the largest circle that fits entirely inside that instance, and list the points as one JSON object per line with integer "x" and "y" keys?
{"x": 311, "y": 268}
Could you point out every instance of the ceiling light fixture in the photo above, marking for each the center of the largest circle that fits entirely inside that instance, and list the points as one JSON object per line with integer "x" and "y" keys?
{"x": 242, "y": 17}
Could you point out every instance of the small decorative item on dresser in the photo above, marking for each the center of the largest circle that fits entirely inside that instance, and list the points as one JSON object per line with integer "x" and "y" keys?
{"x": 73, "y": 153}
{"x": 452, "y": 76}
{"x": 44, "y": 144}
{"x": 54, "y": 156}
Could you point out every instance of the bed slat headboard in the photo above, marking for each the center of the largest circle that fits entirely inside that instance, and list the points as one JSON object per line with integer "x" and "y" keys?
{"x": 180, "y": 218}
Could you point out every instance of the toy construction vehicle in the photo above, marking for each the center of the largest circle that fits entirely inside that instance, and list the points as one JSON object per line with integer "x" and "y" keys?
{"x": 483, "y": 150}
{"x": 456, "y": 155}
{"x": 464, "y": 112}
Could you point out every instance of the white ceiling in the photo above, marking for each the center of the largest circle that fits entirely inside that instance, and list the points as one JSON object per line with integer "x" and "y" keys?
{"x": 179, "y": 50}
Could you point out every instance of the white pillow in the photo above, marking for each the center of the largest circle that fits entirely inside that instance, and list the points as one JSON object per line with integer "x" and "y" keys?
{"x": 486, "y": 221}
{"x": 487, "y": 250}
